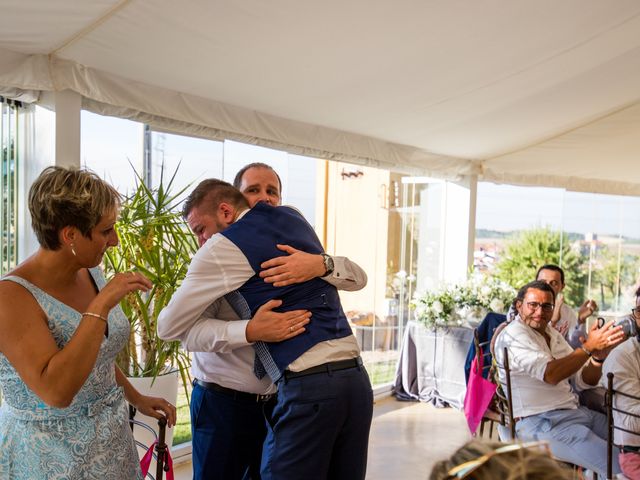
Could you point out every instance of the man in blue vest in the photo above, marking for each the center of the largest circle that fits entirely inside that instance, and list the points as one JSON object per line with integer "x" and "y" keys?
{"x": 320, "y": 425}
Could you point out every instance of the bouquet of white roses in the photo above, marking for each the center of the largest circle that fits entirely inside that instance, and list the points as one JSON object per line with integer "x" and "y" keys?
{"x": 437, "y": 308}
{"x": 450, "y": 305}
{"x": 489, "y": 293}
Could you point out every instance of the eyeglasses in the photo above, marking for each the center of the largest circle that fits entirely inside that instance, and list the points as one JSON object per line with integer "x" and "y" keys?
{"x": 467, "y": 468}
{"x": 636, "y": 311}
{"x": 546, "y": 307}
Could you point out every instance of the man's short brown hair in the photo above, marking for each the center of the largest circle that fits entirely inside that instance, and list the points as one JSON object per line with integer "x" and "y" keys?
{"x": 211, "y": 193}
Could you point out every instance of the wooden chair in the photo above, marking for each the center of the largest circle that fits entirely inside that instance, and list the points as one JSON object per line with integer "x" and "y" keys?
{"x": 504, "y": 404}
{"x": 500, "y": 411}
{"x": 161, "y": 448}
{"x": 610, "y": 405}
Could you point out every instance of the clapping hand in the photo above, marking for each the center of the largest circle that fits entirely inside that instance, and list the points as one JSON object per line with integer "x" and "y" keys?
{"x": 586, "y": 310}
{"x": 602, "y": 339}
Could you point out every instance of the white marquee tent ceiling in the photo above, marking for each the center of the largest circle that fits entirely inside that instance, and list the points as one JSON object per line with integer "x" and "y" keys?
{"x": 531, "y": 92}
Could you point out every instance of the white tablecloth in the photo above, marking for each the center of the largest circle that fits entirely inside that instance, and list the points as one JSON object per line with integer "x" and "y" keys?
{"x": 431, "y": 365}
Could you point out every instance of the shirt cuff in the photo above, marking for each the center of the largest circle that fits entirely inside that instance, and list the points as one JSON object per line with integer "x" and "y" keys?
{"x": 237, "y": 333}
{"x": 339, "y": 269}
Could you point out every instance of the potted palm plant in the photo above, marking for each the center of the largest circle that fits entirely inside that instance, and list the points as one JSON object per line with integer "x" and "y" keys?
{"x": 155, "y": 242}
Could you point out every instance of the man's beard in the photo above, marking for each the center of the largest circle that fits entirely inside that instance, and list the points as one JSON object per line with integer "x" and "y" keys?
{"x": 534, "y": 322}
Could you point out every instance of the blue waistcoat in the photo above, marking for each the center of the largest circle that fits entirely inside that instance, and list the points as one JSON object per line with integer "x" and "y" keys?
{"x": 256, "y": 235}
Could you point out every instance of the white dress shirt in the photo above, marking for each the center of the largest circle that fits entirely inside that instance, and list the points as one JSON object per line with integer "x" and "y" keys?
{"x": 528, "y": 358}
{"x": 624, "y": 362}
{"x": 206, "y": 324}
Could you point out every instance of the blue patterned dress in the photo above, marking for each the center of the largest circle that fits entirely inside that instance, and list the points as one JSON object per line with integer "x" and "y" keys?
{"x": 91, "y": 438}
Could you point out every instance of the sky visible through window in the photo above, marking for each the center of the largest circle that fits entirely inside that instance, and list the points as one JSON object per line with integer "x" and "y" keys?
{"x": 111, "y": 145}
{"x": 507, "y": 208}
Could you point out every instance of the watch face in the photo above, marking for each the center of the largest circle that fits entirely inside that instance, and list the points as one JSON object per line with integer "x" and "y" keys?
{"x": 328, "y": 264}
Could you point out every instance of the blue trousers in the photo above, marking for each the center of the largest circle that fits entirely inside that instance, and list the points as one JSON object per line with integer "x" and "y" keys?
{"x": 319, "y": 427}
{"x": 576, "y": 436}
{"x": 227, "y": 435}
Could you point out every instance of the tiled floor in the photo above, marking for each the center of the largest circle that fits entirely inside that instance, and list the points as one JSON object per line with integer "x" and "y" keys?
{"x": 406, "y": 439}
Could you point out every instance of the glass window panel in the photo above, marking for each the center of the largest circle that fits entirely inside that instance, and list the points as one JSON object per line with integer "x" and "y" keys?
{"x": 9, "y": 158}
{"x": 198, "y": 159}
{"x": 597, "y": 239}
{"x": 112, "y": 147}
{"x": 380, "y": 219}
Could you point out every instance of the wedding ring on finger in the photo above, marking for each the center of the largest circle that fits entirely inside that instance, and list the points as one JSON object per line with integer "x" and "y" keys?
{"x": 291, "y": 329}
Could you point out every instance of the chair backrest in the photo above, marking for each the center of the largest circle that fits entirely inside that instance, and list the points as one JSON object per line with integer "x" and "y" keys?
{"x": 160, "y": 450}
{"x": 611, "y": 407}
{"x": 494, "y": 338}
{"x": 483, "y": 355}
{"x": 485, "y": 332}
{"x": 504, "y": 402}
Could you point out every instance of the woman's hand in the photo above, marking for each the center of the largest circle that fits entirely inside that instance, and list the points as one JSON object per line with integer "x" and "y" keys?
{"x": 119, "y": 286}
{"x": 156, "y": 407}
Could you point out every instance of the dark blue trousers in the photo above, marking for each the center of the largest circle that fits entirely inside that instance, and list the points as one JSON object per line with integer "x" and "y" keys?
{"x": 319, "y": 427}
{"x": 227, "y": 435}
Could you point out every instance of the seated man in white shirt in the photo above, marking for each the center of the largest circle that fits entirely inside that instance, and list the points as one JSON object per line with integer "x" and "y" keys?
{"x": 542, "y": 365}
{"x": 624, "y": 363}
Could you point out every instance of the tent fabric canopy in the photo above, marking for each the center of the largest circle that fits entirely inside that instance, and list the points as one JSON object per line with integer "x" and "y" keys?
{"x": 533, "y": 93}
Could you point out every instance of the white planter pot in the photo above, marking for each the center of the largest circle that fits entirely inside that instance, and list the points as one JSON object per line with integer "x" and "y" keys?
{"x": 164, "y": 386}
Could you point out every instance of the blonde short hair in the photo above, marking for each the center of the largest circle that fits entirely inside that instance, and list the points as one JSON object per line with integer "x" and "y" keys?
{"x": 62, "y": 197}
{"x": 521, "y": 464}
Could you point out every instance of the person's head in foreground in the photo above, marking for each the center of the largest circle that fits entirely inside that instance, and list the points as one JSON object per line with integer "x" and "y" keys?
{"x": 498, "y": 461}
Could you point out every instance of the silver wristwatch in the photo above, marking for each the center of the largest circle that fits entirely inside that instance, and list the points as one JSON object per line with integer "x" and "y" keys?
{"x": 328, "y": 264}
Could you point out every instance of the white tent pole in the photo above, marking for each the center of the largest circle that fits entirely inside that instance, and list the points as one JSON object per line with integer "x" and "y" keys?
{"x": 67, "y": 107}
{"x": 473, "y": 198}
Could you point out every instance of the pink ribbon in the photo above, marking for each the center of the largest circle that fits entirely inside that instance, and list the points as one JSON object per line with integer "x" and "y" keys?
{"x": 146, "y": 461}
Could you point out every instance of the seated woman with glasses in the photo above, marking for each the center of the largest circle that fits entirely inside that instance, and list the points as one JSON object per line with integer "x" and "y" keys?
{"x": 490, "y": 461}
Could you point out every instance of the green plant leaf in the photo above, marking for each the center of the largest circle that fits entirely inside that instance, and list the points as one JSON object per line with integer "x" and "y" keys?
{"x": 155, "y": 242}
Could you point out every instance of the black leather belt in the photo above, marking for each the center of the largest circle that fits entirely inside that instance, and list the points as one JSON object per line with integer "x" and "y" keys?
{"x": 325, "y": 368}
{"x": 630, "y": 448}
{"x": 236, "y": 394}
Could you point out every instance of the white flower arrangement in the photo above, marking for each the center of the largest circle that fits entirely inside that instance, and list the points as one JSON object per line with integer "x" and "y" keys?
{"x": 450, "y": 305}
{"x": 437, "y": 308}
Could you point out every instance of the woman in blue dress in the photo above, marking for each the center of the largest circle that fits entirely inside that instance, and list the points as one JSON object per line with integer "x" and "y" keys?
{"x": 64, "y": 414}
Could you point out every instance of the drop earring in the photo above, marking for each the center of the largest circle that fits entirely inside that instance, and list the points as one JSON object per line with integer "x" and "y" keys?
{"x": 73, "y": 250}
